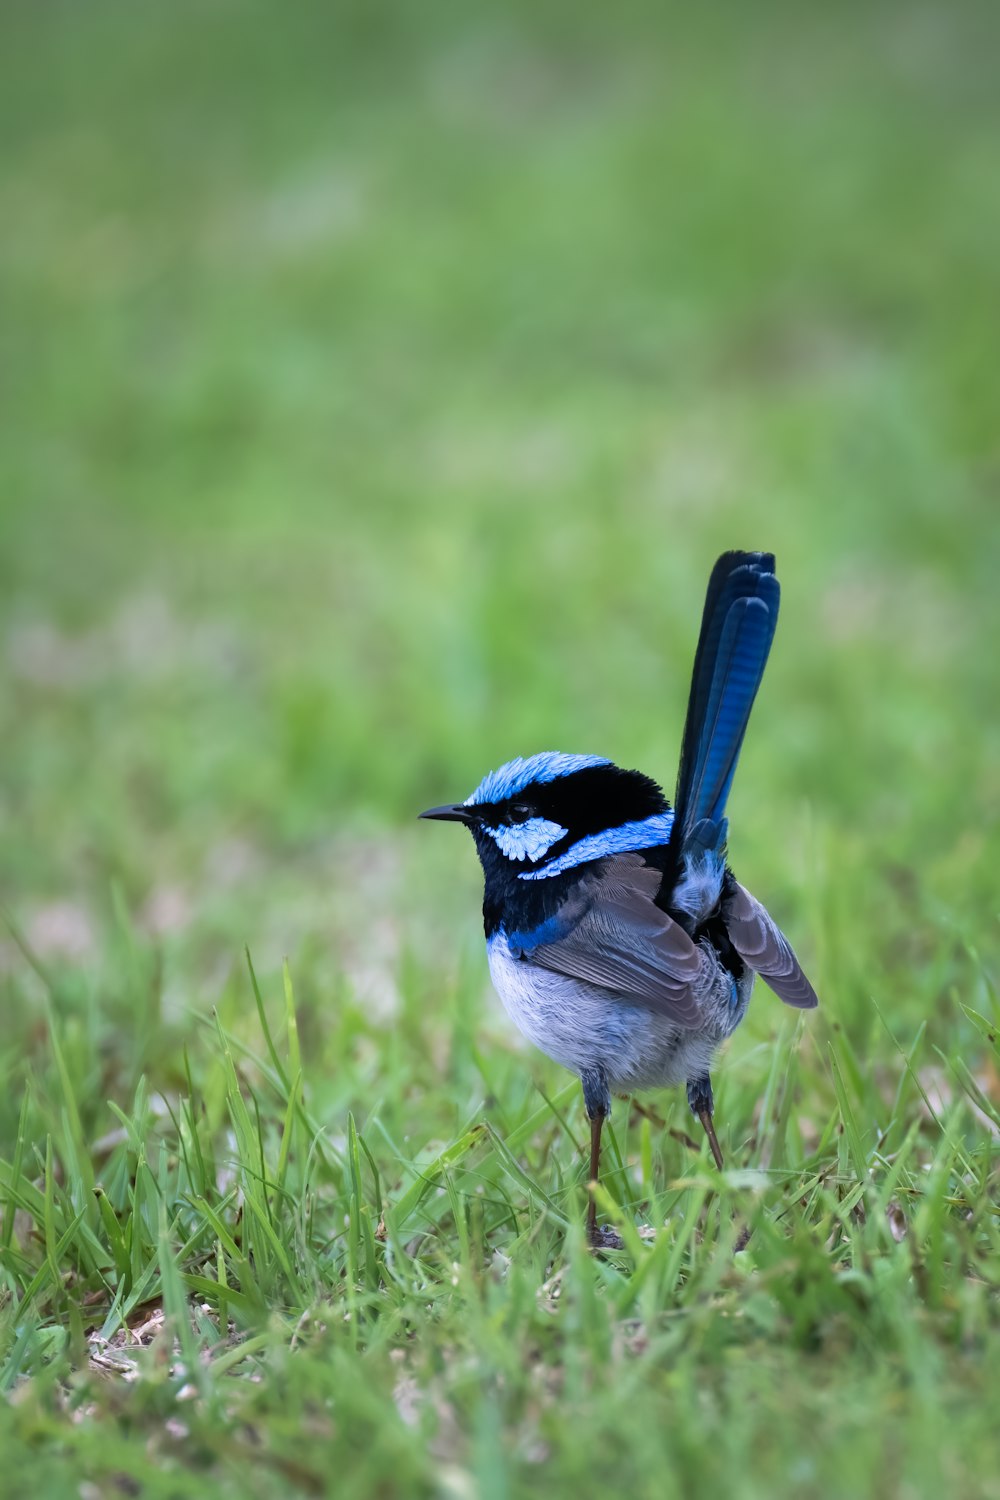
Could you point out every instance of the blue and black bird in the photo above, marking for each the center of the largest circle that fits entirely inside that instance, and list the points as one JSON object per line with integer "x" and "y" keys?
{"x": 618, "y": 937}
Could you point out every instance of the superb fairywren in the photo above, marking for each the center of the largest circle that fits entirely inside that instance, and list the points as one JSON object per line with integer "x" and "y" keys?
{"x": 618, "y": 938}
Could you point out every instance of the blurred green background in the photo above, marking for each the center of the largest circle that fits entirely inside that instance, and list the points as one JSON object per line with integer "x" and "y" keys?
{"x": 379, "y": 384}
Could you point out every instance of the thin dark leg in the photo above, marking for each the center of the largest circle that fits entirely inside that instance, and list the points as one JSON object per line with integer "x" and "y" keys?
{"x": 713, "y": 1140}
{"x": 702, "y": 1104}
{"x": 597, "y": 1100}
{"x": 596, "y": 1126}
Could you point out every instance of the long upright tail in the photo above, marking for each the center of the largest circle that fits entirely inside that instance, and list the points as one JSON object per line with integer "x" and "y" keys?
{"x": 737, "y": 627}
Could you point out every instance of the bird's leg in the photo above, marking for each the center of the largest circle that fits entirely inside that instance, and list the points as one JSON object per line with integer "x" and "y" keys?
{"x": 702, "y": 1104}
{"x": 597, "y": 1101}
{"x": 596, "y": 1126}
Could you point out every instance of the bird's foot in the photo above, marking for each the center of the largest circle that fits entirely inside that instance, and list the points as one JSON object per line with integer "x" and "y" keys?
{"x": 602, "y": 1237}
{"x": 743, "y": 1238}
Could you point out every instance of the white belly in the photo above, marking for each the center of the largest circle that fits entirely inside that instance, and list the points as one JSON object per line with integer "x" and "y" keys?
{"x": 583, "y": 1027}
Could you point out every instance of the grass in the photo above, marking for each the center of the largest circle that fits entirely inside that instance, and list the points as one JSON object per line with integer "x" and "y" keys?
{"x": 379, "y": 390}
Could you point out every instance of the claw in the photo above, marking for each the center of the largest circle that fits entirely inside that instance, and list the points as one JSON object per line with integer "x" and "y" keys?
{"x": 600, "y": 1237}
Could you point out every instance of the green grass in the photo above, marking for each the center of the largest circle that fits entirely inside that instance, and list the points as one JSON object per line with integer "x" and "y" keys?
{"x": 379, "y": 385}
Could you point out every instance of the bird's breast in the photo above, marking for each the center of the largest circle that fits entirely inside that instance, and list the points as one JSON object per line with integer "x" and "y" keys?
{"x": 583, "y": 1026}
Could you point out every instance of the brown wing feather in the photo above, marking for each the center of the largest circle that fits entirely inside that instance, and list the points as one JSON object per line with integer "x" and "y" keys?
{"x": 761, "y": 944}
{"x": 624, "y": 943}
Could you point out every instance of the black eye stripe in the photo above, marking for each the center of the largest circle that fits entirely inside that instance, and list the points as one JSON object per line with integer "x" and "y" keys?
{"x": 586, "y": 802}
{"x": 597, "y": 798}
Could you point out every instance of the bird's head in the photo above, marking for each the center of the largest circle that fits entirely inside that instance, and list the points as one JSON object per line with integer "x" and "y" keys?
{"x": 538, "y": 817}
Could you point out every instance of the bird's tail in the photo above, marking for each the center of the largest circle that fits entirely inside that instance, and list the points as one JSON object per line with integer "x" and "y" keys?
{"x": 737, "y": 627}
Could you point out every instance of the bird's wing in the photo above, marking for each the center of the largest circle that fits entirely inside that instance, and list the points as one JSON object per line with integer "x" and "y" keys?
{"x": 610, "y": 933}
{"x": 761, "y": 944}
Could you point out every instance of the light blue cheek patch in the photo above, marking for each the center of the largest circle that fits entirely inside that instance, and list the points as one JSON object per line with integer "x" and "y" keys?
{"x": 528, "y": 840}
{"x": 642, "y": 834}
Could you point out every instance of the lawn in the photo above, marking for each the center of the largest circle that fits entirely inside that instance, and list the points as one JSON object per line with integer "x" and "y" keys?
{"x": 379, "y": 384}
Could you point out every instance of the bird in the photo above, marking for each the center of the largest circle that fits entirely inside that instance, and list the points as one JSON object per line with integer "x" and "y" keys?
{"x": 618, "y": 937}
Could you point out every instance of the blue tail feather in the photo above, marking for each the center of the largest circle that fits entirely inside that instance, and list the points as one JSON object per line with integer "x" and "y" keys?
{"x": 741, "y": 611}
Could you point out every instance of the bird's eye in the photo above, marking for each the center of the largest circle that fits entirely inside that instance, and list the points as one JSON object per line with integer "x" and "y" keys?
{"x": 519, "y": 813}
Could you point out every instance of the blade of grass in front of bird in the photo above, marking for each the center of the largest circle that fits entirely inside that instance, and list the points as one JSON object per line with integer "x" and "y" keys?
{"x": 14, "y": 1358}
{"x": 848, "y": 1119}
{"x": 314, "y": 1131}
{"x": 558, "y": 1112}
{"x": 75, "y": 1138}
{"x": 223, "y": 1297}
{"x": 49, "y": 1221}
{"x": 984, "y": 1026}
{"x": 213, "y": 1293}
{"x": 291, "y": 1022}
{"x": 963, "y": 1075}
{"x": 175, "y": 1304}
{"x": 265, "y": 1028}
{"x": 789, "y": 1094}
{"x": 426, "y": 1176}
{"x": 288, "y": 1131}
{"x": 221, "y": 1364}
{"x": 360, "y": 1210}
{"x": 12, "y": 1185}
{"x": 768, "y": 1108}
{"x": 45, "y": 1270}
{"x": 615, "y": 1180}
{"x": 264, "y": 1245}
{"x": 201, "y": 1180}
{"x": 692, "y": 1213}
{"x": 931, "y": 1221}
{"x": 582, "y": 1283}
{"x": 914, "y": 1076}
{"x": 376, "y": 1175}
{"x": 114, "y": 1236}
{"x": 240, "y": 1263}
{"x": 646, "y": 1268}
{"x": 555, "y": 1107}
{"x": 517, "y": 1172}
{"x": 21, "y": 1194}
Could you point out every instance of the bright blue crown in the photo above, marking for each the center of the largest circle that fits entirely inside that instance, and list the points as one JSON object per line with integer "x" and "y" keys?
{"x": 548, "y": 765}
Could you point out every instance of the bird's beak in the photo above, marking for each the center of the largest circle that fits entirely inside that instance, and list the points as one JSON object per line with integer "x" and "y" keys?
{"x": 451, "y": 812}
